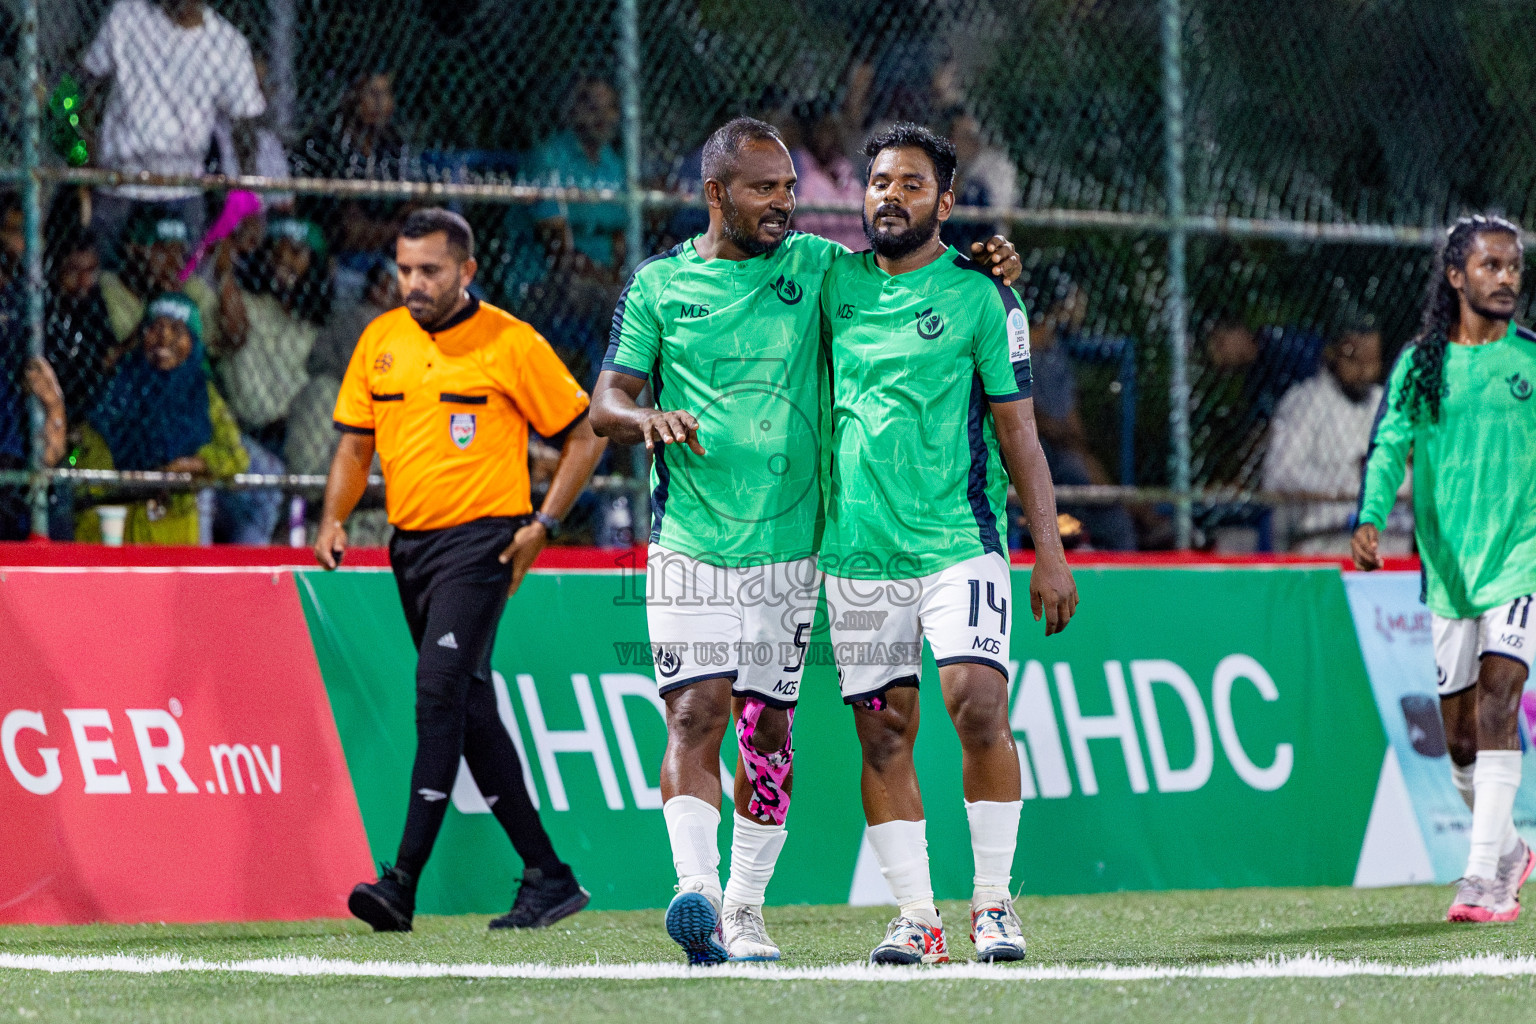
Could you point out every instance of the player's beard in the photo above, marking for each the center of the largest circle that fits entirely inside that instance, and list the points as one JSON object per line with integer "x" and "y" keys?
{"x": 893, "y": 245}
{"x": 434, "y": 314}
{"x": 743, "y": 239}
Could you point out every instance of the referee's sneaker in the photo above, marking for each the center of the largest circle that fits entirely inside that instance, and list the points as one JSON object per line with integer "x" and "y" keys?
{"x": 444, "y": 390}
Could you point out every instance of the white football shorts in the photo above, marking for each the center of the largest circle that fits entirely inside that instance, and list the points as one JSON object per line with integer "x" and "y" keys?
{"x": 878, "y": 626}
{"x": 750, "y": 625}
{"x": 1508, "y": 631}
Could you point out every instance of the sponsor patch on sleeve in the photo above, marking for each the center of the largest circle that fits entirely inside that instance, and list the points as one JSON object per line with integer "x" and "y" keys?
{"x": 1018, "y": 336}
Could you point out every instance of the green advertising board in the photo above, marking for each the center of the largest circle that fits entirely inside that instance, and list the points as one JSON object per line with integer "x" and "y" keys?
{"x": 1191, "y": 729}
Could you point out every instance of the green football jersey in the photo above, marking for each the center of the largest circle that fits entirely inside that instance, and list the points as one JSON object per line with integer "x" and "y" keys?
{"x": 735, "y": 343}
{"x": 917, "y": 478}
{"x": 1474, "y": 475}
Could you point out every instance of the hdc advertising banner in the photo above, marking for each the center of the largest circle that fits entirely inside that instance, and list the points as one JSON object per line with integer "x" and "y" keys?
{"x": 169, "y": 752}
{"x": 1192, "y": 728}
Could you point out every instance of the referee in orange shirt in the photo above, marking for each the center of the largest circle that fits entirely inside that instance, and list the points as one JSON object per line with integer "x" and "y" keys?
{"x": 444, "y": 390}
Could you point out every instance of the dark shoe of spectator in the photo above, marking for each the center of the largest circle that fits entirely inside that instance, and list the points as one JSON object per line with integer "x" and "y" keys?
{"x": 388, "y": 904}
{"x": 544, "y": 899}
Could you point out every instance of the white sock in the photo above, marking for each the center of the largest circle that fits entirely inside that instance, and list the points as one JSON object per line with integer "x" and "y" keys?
{"x": 1461, "y": 775}
{"x": 994, "y": 837}
{"x": 901, "y": 847}
{"x": 693, "y": 827}
{"x": 1495, "y": 781}
{"x": 754, "y": 851}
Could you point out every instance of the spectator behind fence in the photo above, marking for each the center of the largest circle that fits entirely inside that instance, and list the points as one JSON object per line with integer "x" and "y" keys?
{"x": 573, "y": 294}
{"x": 312, "y": 435}
{"x": 160, "y": 412}
{"x": 274, "y": 303}
{"x": 360, "y": 142}
{"x": 984, "y": 176}
{"x": 79, "y": 339}
{"x": 20, "y": 376}
{"x": 1062, "y": 434}
{"x": 156, "y": 250}
{"x": 824, "y": 174}
{"x": 1318, "y": 440}
{"x": 268, "y": 157}
{"x": 173, "y": 67}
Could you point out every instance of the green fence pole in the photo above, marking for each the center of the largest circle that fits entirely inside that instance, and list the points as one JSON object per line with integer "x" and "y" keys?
{"x": 1178, "y": 297}
{"x": 31, "y": 134}
{"x": 634, "y": 232}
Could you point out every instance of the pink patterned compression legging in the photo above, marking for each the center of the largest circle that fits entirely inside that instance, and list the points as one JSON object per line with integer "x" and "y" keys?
{"x": 766, "y": 772}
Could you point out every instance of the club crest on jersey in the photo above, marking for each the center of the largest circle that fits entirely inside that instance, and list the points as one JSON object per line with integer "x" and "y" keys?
{"x": 787, "y": 291}
{"x": 1519, "y": 387}
{"x": 461, "y": 427}
{"x": 929, "y": 324}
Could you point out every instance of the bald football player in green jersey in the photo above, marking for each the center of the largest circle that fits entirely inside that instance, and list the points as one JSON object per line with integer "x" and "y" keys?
{"x": 931, "y": 403}
{"x": 1459, "y": 405}
{"x": 725, "y": 328}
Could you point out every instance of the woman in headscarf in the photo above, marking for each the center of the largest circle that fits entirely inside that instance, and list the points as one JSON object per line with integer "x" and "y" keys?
{"x": 161, "y": 413}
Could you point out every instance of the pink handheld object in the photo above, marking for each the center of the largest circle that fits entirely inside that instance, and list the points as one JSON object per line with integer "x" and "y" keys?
{"x": 237, "y": 207}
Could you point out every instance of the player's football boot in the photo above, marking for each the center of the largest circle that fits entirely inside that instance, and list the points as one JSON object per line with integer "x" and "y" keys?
{"x": 746, "y": 936}
{"x": 542, "y": 899}
{"x": 997, "y": 931}
{"x": 388, "y": 904}
{"x": 1514, "y": 868}
{"x": 693, "y": 921}
{"x": 1482, "y": 899}
{"x": 911, "y": 942}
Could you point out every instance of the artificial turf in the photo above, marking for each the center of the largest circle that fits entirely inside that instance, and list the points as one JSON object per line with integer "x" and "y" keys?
{"x": 1399, "y": 926}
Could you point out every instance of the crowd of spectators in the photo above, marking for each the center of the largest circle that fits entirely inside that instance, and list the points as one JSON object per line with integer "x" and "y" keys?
{"x": 208, "y": 333}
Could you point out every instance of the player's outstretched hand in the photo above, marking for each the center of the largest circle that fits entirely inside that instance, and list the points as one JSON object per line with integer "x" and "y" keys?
{"x": 998, "y": 255}
{"x": 1363, "y": 547}
{"x": 526, "y": 544}
{"x": 671, "y": 427}
{"x": 1053, "y": 594}
{"x": 330, "y": 544}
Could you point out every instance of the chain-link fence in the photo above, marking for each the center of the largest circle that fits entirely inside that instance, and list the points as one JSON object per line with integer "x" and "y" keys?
{"x": 1225, "y": 213}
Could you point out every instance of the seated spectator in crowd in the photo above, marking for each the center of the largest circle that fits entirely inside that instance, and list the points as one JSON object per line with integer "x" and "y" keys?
{"x": 583, "y": 243}
{"x": 79, "y": 338}
{"x": 825, "y": 174}
{"x": 269, "y": 157}
{"x": 984, "y": 176}
{"x": 1317, "y": 445}
{"x": 156, "y": 249}
{"x": 361, "y": 142}
{"x": 36, "y": 377}
{"x": 160, "y": 412}
{"x": 1062, "y": 435}
{"x": 312, "y": 435}
{"x": 272, "y": 307}
{"x": 173, "y": 68}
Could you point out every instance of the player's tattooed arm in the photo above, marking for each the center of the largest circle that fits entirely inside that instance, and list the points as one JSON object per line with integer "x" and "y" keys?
{"x": 1052, "y": 591}
{"x": 618, "y": 416}
{"x": 999, "y": 256}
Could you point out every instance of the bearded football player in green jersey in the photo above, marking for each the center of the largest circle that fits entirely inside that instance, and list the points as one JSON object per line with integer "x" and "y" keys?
{"x": 1459, "y": 405}
{"x": 725, "y": 328}
{"x": 932, "y": 414}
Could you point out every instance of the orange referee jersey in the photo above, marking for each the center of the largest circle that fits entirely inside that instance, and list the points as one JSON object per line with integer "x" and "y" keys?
{"x": 450, "y": 411}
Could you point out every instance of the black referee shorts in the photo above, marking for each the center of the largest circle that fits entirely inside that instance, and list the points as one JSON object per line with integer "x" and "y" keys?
{"x": 453, "y": 590}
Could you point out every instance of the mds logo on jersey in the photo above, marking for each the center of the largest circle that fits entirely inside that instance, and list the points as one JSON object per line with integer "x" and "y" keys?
{"x": 693, "y": 310}
{"x": 461, "y": 427}
{"x": 787, "y": 291}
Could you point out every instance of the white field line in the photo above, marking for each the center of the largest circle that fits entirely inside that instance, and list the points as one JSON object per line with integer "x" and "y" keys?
{"x": 308, "y": 967}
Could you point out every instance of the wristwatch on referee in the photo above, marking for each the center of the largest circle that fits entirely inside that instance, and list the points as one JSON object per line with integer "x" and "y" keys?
{"x": 551, "y": 524}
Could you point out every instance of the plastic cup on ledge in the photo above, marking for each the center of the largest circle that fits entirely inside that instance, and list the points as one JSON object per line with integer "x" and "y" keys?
{"x": 112, "y": 519}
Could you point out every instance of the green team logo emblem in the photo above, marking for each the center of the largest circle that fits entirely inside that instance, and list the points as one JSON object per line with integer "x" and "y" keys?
{"x": 929, "y": 324}
{"x": 787, "y": 291}
{"x": 1519, "y": 387}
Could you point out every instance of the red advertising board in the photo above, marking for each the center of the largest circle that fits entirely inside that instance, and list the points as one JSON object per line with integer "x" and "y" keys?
{"x": 169, "y": 752}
